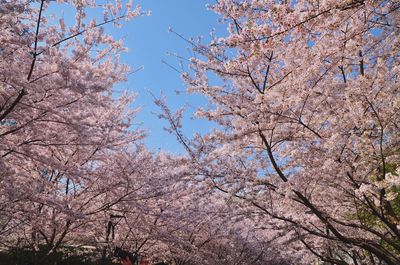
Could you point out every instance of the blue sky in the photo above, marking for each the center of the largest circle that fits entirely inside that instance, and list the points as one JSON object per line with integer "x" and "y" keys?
{"x": 149, "y": 42}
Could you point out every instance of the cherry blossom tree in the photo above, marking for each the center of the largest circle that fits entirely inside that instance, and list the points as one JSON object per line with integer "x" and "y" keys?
{"x": 304, "y": 163}
{"x": 61, "y": 128}
{"x": 169, "y": 217}
{"x": 208, "y": 230}
{"x": 308, "y": 132}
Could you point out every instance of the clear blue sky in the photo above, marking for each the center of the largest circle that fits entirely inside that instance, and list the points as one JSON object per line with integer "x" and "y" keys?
{"x": 149, "y": 40}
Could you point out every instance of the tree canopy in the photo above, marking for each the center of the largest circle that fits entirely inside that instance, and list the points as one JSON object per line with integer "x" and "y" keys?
{"x": 301, "y": 167}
